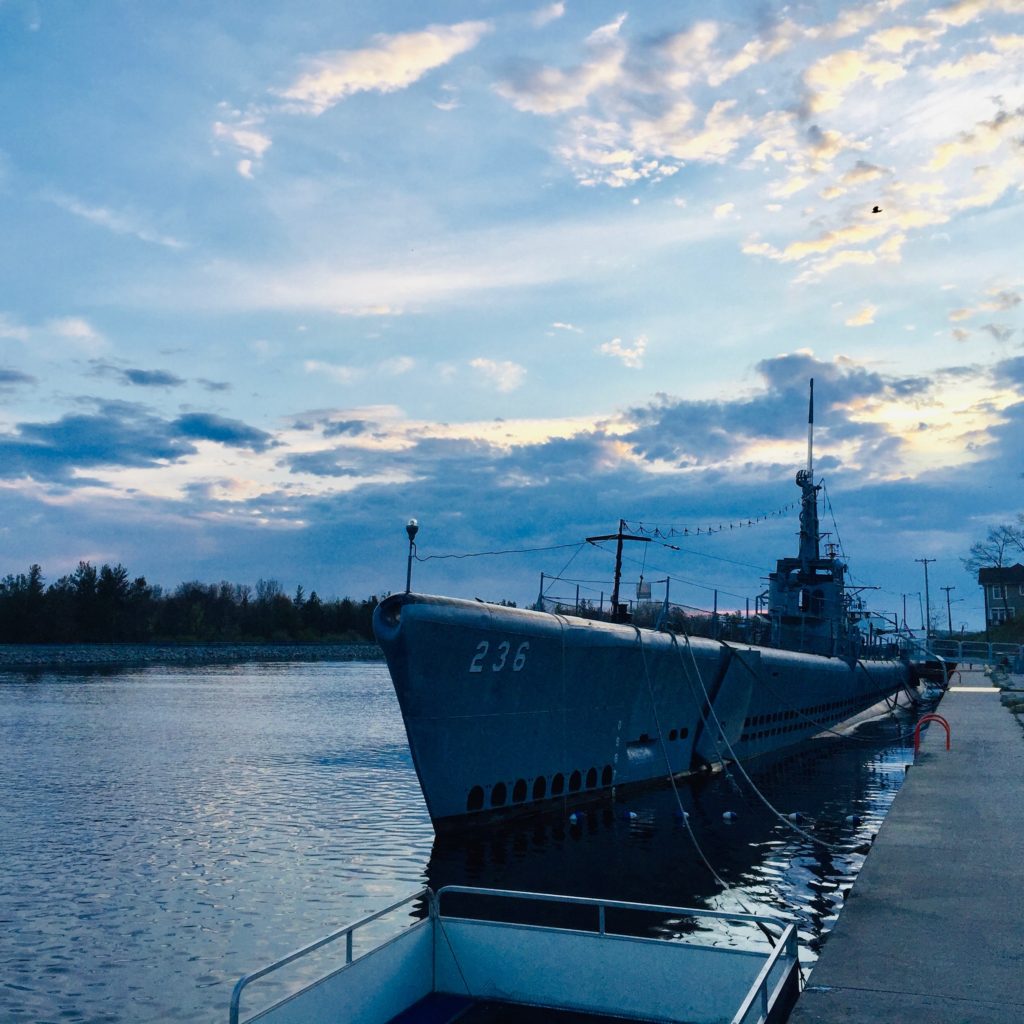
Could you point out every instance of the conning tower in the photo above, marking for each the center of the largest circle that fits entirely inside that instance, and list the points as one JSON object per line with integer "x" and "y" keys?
{"x": 806, "y": 594}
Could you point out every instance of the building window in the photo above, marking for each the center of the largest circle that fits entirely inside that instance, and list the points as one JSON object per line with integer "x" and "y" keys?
{"x": 1000, "y": 615}
{"x": 997, "y": 592}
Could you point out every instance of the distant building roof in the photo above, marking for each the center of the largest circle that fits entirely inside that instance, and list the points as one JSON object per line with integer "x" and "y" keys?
{"x": 1004, "y": 574}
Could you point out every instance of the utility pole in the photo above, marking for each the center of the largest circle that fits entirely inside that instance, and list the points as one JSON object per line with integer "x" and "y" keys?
{"x": 949, "y": 614}
{"x": 927, "y": 598}
{"x": 619, "y": 614}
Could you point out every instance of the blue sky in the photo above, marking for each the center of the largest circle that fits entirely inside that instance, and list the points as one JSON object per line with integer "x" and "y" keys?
{"x": 278, "y": 277}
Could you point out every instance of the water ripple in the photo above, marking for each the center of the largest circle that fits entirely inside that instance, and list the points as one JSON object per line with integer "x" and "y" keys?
{"x": 169, "y": 829}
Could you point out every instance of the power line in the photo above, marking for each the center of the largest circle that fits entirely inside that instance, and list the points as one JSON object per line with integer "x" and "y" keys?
{"x": 505, "y": 551}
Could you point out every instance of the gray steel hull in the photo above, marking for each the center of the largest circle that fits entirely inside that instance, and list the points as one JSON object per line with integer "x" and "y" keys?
{"x": 506, "y": 708}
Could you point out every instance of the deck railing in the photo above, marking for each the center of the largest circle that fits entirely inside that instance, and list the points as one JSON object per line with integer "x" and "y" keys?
{"x": 345, "y": 933}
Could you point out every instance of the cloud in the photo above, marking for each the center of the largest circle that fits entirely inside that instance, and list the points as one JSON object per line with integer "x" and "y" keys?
{"x": 10, "y": 379}
{"x": 117, "y": 434}
{"x": 397, "y": 365}
{"x": 830, "y": 78}
{"x": 999, "y": 299}
{"x": 504, "y": 375}
{"x": 338, "y": 373}
{"x": 969, "y": 64}
{"x": 687, "y": 433}
{"x": 898, "y": 37}
{"x": 245, "y": 132}
{"x": 119, "y": 222}
{"x": 392, "y": 63}
{"x": 985, "y": 137}
{"x": 376, "y": 309}
{"x": 559, "y": 326}
{"x": 548, "y": 90}
{"x": 135, "y": 376}
{"x": 353, "y": 428}
{"x": 337, "y": 463}
{"x": 1001, "y": 332}
{"x": 9, "y": 328}
{"x": 631, "y": 355}
{"x": 77, "y": 331}
{"x": 152, "y": 378}
{"x": 863, "y": 317}
{"x": 963, "y": 12}
{"x": 545, "y": 15}
{"x": 204, "y": 426}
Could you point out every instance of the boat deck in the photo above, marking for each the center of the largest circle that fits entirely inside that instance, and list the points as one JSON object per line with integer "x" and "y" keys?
{"x": 448, "y": 1009}
{"x": 932, "y": 930}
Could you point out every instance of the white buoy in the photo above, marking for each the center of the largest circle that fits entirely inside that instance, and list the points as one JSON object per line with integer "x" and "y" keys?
{"x": 680, "y": 815}
{"x": 630, "y": 815}
{"x": 574, "y": 818}
{"x": 853, "y": 819}
{"x": 796, "y": 817}
{"x": 730, "y": 817}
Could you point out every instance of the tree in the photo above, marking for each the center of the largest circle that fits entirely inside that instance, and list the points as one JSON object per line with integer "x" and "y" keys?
{"x": 1001, "y": 543}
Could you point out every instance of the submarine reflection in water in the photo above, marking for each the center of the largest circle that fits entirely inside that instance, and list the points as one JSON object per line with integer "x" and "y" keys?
{"x": 637, "y": 848}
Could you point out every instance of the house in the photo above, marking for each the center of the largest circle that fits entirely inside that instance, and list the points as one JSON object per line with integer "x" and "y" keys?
{"x": 1004, "y": 593}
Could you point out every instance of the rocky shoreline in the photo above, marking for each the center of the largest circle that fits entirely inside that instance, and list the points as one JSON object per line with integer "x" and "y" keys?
{"x": 21, "y": 657}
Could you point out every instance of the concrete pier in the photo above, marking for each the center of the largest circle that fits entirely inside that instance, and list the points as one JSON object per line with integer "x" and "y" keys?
{"x": 933, "y": 929}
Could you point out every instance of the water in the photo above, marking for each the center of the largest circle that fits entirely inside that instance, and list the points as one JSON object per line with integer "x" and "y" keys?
{"x": 164, "y": 831}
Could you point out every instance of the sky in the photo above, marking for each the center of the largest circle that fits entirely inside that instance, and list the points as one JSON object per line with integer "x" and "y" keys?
{"x": 278, "y": 277}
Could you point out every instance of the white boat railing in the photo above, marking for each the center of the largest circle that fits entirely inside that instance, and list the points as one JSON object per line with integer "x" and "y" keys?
{"x": 347, "y": 933}
{"x": 513, "y": 960}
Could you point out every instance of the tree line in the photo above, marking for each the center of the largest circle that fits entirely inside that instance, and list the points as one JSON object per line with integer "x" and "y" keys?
{"x": 106, "y": 605}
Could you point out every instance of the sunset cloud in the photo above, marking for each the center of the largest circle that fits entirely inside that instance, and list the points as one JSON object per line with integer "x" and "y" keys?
{"x": 864, "y": 316}
{"x": 392, "y": 63}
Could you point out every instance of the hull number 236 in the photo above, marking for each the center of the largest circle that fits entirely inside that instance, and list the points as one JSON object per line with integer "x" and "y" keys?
{"x": 500, "y": 657}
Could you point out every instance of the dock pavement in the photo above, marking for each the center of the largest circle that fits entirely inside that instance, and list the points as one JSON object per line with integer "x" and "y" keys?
{"x": 933, "y": 929}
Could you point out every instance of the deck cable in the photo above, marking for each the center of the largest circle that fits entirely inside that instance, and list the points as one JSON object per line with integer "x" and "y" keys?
{"x": 720, "y": 732}
{"x": 762, "y": 927}
{"x": 668, "y": 765}
{"x": 451, "y": 949}
{"x": 554, "y": 579}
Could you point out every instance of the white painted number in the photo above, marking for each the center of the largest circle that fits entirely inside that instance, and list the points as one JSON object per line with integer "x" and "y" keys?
{"x": 476, "y": 664}
{"x": 503, "y": 649}
{"x": 520, "y": 659}
{"x": 481, "y": 650}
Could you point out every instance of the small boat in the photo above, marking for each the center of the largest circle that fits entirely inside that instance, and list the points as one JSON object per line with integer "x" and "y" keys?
{"x": 481, "y": 956}
{"x": 508, "y": 709}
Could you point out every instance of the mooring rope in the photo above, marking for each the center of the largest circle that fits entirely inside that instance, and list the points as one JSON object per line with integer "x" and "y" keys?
{"x": 719, "y": 732}
{"x": 764, "y": 929}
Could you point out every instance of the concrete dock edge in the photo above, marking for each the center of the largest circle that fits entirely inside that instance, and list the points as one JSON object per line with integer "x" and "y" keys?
{"x": 933, "y": 928}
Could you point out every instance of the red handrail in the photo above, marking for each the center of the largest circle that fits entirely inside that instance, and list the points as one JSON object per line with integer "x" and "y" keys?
{"x": 929, "y": 718}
